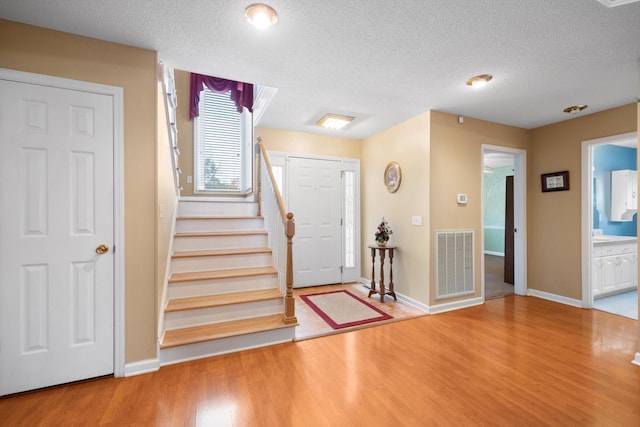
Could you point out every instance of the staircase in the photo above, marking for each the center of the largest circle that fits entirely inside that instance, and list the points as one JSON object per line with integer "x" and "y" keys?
{"x": 223, "y": 293}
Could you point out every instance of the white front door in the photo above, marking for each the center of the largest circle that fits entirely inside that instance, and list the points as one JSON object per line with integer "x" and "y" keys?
{"x": 315, "y": 199}
{"x": 56, "y": 209}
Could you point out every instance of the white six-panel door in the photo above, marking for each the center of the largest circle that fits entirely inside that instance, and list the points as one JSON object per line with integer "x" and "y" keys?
{"x": 315, "y": 198}
{"x": 56, "y": 209}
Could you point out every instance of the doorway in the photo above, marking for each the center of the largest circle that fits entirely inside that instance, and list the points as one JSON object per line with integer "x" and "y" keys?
{"x": 609, "y": 243}
{"x": 503, "y": 221}
{"x": 323, "y": 193}
{"x": 60, "y": 287}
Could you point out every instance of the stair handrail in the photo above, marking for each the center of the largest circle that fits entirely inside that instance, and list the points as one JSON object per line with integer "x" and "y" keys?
{"x": 280, "y": 226}
{"x": 170, "y": 102}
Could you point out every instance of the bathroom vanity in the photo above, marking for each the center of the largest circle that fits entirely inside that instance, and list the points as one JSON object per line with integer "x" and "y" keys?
{"x": 614, "y": 265}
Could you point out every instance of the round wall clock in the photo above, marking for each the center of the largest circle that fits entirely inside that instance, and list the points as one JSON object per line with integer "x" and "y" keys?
{"x": 392, "y": 177}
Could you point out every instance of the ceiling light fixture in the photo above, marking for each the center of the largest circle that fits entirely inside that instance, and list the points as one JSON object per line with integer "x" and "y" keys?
{"x": 261, "y": 15}
{"x": 479, "y": 80}
{"x": 575, "y": 109}
{"x": 334, "y": 121}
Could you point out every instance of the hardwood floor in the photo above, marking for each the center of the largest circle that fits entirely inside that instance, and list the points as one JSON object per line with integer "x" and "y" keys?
{"x": 512, "y": 361}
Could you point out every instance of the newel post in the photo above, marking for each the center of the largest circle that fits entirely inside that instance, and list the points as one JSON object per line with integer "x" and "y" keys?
{"x": 289, "y": 302}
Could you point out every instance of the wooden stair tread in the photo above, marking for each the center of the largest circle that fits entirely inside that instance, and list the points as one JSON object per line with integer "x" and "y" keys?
{"x": 193, "y": 303}
{"x": 221, "y": 233}
{"x": 196, "y": 334}
{"x": 220, "y": 252}
{"x": 221, "y": 274}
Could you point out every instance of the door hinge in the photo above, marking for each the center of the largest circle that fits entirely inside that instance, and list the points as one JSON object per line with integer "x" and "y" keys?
{"x": 341, "y": 173}
{"x": 341, "y": 224}
{"x": 341, "y": 269}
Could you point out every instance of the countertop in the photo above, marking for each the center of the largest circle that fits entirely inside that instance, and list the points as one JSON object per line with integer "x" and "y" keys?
{"x": 603, "y": 240}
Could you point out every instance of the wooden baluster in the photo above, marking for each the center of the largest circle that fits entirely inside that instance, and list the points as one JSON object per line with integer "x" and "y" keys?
{"x": 289, "y": 302}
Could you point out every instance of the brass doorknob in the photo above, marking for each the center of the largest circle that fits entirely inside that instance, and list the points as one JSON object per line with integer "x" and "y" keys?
{"x": 102, "y": 249}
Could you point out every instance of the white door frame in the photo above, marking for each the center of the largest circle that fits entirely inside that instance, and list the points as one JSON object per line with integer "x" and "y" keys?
{"x": 279, "y": 158}
{"x": 118, "y": 191}
{"x": 586, "y": 209}
{"x": 519, "y": 215}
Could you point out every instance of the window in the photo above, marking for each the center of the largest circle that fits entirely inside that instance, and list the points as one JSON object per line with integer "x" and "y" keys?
{"x": 222, "y": 139}
{"x": 349, "y": 219}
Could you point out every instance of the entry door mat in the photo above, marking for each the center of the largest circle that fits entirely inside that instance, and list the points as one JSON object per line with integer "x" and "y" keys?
{"x": 342, "y": 309}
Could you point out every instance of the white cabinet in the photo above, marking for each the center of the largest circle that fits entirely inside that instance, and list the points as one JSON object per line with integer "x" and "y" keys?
{"x": 624, "y": 195}
{"x": 614, "y": 268}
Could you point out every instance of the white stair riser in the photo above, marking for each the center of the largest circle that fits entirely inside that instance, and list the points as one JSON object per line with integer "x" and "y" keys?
{"x": 189, "y": 208}
{"x": 201, "y": 350}
{"x": 209, "y": 263}
{"x": 184, "y": 225}
{"x": 181, "y": 243}
{"x": 225, "y": 313}
{"x": 222, "y": 286}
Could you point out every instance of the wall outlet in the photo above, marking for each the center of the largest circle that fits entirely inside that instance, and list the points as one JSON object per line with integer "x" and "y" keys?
{"x": 189, "y": 179}
{"x": 416, "y": 220}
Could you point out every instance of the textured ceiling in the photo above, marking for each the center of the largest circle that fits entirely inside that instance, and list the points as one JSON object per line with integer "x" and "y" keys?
{"x": 382, "y": 61}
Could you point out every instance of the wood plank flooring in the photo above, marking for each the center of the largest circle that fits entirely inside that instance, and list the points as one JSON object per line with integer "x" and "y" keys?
{"x": 513, "y": 361}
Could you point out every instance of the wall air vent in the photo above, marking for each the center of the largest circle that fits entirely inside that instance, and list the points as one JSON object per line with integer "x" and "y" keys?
{"x": 614, "y": 3}
{"x": 454, "y": 263}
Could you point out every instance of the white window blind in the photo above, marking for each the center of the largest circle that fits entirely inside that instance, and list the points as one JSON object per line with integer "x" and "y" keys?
{"x": 222, "y": 145}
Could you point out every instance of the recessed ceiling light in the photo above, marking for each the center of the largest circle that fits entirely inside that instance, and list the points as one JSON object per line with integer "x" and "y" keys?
{"x": 479, "y": 80}
{"x": 261, "y": 15}
{"x": 334, "y": 121}
{"x": 575, "y": 109}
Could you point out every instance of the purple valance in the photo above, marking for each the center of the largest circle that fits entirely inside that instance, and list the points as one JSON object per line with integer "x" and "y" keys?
{"x": 241, "y": 93}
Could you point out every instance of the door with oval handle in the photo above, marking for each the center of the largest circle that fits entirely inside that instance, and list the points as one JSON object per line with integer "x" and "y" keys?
{"x": 102, "y": 249}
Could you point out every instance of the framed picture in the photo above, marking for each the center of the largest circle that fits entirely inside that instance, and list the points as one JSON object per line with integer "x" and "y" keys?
{"x": 556, "y": 181}
{"x": 392, "y": 177}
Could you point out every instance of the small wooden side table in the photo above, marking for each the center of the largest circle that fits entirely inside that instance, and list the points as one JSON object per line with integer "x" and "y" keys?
{"x": 382, "y": 250}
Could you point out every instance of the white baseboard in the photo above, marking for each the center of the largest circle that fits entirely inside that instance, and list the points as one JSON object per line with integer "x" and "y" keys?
{"x": 141, "y": 367}
{"x": 556, "y": 298}
{"x": 456, "y": 305}
{"x": 417, "y": 304}
{"x": 494, "y": 253}
{"x": 636, "y": 361}
{"x": 441, "y": 308}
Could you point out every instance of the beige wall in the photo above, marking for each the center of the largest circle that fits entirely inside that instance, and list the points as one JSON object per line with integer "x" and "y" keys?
{"x": 456, "y": 167}
{"x": 307, "y": 143}
{"x": 38, "y": 50}
{"x": 407, "y": 144}
{"x": 553, "y": 219}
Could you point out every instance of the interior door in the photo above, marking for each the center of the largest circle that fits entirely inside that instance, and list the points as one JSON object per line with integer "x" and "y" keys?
{"x": 56, "y": 210}
{"x": 315, "y": 200}
{"x": 509, "y": 228}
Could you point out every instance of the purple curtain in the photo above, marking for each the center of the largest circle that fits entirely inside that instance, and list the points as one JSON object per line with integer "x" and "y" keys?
{"x": 241, "y": 93}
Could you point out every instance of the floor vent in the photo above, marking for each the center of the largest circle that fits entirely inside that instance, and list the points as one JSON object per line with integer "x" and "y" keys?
{"x": 454, "y": 263}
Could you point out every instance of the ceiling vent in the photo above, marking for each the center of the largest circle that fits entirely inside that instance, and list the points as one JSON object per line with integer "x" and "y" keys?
{"x": 613, "y": 3}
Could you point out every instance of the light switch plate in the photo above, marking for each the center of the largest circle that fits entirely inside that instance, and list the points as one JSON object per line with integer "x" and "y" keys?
{"x": 416, "y": 220}
{"x": 462, "y": 199}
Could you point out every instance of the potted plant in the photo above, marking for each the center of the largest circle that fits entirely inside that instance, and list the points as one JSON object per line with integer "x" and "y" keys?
{"x": 383, "y": 232}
